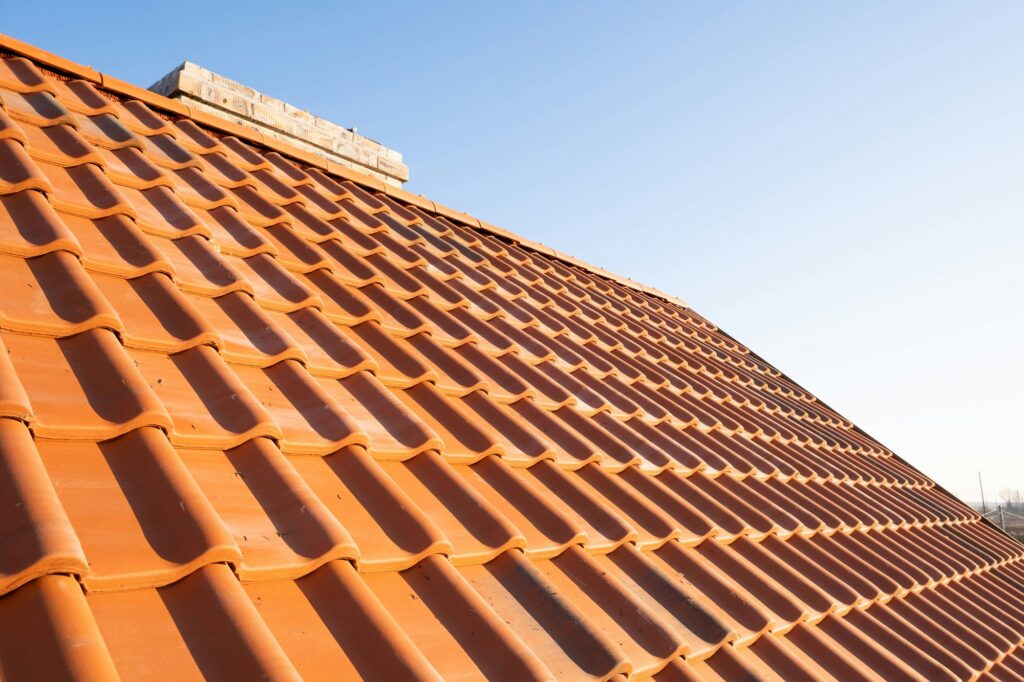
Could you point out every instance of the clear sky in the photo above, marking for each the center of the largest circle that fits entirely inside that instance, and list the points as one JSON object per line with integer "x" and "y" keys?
{"x": 838, "y": 185}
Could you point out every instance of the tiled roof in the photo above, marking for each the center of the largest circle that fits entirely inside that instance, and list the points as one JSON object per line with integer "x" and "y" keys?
{"x": 260, "y": 418}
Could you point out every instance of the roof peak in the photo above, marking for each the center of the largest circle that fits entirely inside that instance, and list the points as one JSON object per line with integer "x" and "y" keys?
{"x": 221, "y": 124}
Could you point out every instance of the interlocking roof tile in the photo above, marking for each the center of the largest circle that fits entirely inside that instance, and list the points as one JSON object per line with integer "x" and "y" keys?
{"x": 262, "y": 417}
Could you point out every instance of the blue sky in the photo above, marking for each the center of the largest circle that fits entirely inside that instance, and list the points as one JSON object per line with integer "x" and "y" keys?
{"x": 838, "y": 185}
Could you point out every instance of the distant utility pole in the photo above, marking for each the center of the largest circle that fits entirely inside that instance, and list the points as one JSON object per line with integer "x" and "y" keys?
{"x": 984, "y": 507}
{"x": 1002, "y": 520}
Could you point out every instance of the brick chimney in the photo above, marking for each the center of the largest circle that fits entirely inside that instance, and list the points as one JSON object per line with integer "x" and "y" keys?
{"x": 203, "y": 89}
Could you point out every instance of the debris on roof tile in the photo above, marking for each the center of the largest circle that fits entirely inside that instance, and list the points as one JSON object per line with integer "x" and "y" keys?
{"x": 263, "y": 417}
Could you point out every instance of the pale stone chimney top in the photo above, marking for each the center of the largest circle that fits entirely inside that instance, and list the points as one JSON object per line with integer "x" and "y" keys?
{"x": 205, "y": 90}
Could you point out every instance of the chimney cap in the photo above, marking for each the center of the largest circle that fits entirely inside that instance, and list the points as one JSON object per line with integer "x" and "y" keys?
{"x": 209, "y": 91}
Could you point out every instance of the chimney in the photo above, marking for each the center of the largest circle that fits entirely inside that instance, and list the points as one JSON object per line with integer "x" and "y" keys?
{"x": 203, "y": 89}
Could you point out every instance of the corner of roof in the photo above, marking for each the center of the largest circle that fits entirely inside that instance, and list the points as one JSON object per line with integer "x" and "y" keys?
{"x": 165, "y": 103}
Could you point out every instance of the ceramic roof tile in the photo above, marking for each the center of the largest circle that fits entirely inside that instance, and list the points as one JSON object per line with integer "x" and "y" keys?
{"x": 52, "y": 295}
{"x": 228, "y": 639}
{"x": 549, "y": 623}
{"x": 14, "y": 401}
{"x": 30, "y": 227}
{"x": 208, "y": 405}
{"x": 281, "y": 527}
{"x": 37, "y": 537}
{"x": 260, "y": 419}
{"x": 155, "y": 314}
{"x": 311, "y": 421}
{"x": 390, "y": 529}
{"x": 48, "y": 630}
{"x": 477, "y": 531}
{"x": 246, "y": 334}
{"x": 100, "y": 394}
{"x": 331, "y": 620}
{"x": 115, "y": 245}
{"x": 329, "y": 352}
{"x": 139, "y": 515}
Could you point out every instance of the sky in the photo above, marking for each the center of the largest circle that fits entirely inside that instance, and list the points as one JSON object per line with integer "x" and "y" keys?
{"x": 840, "y": 186}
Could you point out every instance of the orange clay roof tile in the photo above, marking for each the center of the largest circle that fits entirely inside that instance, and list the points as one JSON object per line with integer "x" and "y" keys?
{"x": 263, "y": 416}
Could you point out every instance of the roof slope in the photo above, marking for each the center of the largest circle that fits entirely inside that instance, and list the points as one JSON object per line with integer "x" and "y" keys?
{"x": 260, "y": 420}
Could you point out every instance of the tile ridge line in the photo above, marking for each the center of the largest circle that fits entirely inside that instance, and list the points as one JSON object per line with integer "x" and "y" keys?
{"x": 125, "y": 89}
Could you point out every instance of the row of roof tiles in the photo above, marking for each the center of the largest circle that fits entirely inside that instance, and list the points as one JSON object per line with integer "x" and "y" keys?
{"x": 573, "y": 615}
{"x": 388, "y": 514}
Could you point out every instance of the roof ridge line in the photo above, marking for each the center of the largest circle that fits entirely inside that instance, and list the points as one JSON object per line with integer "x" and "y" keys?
{"x": 116, "y": 85}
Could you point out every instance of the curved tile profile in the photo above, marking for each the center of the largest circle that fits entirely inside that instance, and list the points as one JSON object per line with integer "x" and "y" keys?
{"x": 203, "y": 626}
{"x": 246, "y": 334}
{"x": 207, "y": 403}
{"x": 330, "y": 623}
{"x": 19, "y": 172}
{"x": 29, "y": 226}
{"x": 453, "y": 625}
{"x": 390, "y": 529}
{"x": 311, "y": 421}
{"x": 261, "y": 417}
{"x": 158, "y": 316}
{"x": 394, "y": 430}
{"x": 52, "y": 295}
{"x": 14, "y": 402}
{"x": 282, "y": 528}
{"x": 36, "y": 537}
{"x": 47, "y": 631}
{"x": 477, "y": 531}
{"x": 141, "y": 518}
{"x": 463, "y": 435}
{"x": 116, "y": 246}
{"x": 100, "y": 394}
{"x": 21, "y": 75}
{"x": 554, "y": 628}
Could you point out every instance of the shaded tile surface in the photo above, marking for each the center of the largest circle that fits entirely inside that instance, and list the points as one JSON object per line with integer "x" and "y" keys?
{"x": 259, "y": 421}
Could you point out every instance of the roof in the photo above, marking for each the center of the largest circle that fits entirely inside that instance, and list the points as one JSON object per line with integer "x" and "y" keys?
{"x": 261, "y": 417}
